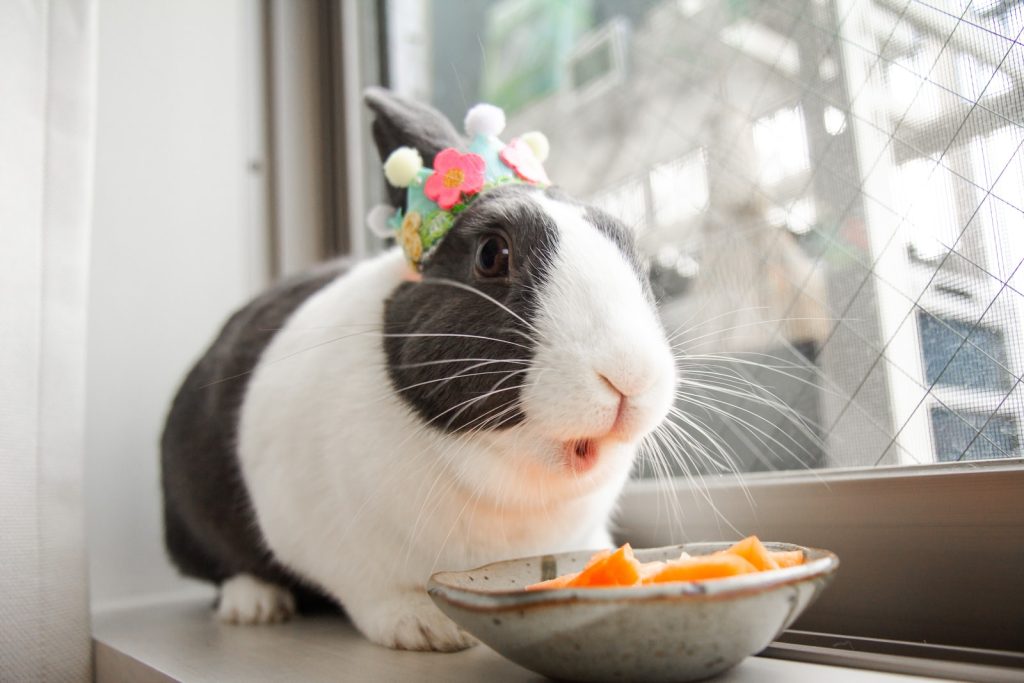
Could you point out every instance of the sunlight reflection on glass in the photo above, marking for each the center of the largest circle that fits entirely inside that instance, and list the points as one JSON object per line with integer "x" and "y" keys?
{"x": 781, "y": 142}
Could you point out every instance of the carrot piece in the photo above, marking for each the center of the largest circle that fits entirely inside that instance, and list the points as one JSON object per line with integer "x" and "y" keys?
{"x": 565, "y": 580}
{"x": 714, "y": 566}
{"x": 649, "y": 569}
{"x": 558, "y": 582}
{"x": 787, "y": 558}
{"x": 751, "y": 549}
{"x": 619, "y": 568}
{"x": 599, "y": 556}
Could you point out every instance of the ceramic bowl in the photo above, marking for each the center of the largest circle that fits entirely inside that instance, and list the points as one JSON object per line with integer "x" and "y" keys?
{"x": 666, "y": 632}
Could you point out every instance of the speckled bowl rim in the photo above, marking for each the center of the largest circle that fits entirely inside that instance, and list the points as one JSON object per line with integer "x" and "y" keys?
{"x": 819, "y": 563}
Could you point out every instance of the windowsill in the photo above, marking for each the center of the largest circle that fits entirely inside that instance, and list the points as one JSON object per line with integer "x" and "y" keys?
{"x": 181, "y": 641}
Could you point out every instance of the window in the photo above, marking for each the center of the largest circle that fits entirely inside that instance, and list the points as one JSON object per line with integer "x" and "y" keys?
{"x": 679, "y": 189}
{"x": 951, "y": 360}
{"x": 832, "y": 194}
{"x": 973, "y": 436}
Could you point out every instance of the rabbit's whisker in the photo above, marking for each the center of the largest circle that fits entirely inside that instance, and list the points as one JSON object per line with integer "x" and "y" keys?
{"x": 493, "y": 390}
{"x": 474, "y": 290}
{"x": 702, "y": 489}
{"x": 446, "y": 334}
{"x": 718, "y": 407}
{"x": 453, "y": 377}
{"x": 449, "y": 457}
{"x": 285, "y": 357}
{"x": 754, "y": 323}
{"x": 443, "y": 361}
{"x": 723, "y": 362}
{"x": 769, "y": 401}
{"x": 679, "y": 331}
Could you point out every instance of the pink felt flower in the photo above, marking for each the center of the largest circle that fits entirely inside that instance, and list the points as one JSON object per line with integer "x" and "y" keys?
{"x": 454, "y": 175}
{"x": 518, "y": 156}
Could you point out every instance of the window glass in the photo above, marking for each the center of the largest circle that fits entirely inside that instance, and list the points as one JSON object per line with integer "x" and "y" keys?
{"x": 963, "y": 354}
{"x": 781, "y": 142}
{"x": 973, "y": 436}
{"x": 679, "y": 189}
{"x": 831, "y": 194}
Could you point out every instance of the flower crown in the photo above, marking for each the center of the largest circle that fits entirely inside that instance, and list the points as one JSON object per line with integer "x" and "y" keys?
{"x": 434, "y": 197}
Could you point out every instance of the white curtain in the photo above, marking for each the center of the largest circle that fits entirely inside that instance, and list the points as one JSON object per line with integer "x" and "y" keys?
{"x": 47, "y": 103}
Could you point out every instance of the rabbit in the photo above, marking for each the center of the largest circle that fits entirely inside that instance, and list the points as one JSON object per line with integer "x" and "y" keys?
{"x": 354, "y": 429}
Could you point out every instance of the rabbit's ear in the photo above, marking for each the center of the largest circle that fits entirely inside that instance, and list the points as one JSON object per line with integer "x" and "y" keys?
{"x": 401, "y": 122}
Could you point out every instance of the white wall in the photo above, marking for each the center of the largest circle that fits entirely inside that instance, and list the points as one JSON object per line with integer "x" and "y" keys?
{"x": 178, "y": 242}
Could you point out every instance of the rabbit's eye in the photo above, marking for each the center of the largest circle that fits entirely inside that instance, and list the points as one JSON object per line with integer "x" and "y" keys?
{"x": 492, "y": 256}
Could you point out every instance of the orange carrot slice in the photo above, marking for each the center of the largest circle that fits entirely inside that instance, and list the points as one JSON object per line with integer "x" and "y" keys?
{"x": 649, "y": 569}
{"x": 619, "y": 568}
{"x": 558, "y": 582}
{"x": 597, "y": 557}
{"x": 752, "y": 550}
{"x": 714, "y": 566}
{"x": 787, "y": 558}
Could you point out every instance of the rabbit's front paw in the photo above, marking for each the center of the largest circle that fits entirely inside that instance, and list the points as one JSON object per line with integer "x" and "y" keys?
{"x": 244, "y": 599}
{"x": 409, "y": 621}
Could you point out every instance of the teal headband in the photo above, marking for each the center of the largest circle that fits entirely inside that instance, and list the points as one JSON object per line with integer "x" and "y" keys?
{"x": 434, "y": 197}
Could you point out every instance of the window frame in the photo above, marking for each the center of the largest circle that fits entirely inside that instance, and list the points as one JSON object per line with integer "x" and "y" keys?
{"x": 318, "y": 58}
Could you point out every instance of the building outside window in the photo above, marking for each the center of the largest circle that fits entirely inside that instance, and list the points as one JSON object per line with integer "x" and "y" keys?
{"x": 831, "y": 194}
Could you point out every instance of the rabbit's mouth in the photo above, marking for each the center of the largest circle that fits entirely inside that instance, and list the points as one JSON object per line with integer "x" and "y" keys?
{"x": 581, "y": 454}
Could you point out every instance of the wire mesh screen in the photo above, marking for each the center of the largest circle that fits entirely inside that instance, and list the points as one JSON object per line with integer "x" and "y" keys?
{"x": 831, "y": 192}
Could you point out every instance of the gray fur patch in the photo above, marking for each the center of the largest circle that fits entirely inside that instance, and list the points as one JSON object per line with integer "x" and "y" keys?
{"x": 443, "y": 377}
{"x": 210, "y": 529}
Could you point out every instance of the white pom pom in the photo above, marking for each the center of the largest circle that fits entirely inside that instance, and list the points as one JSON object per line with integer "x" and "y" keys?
{"x": 538, "y": 142}
{"x": 484, "y": 119}
{"x": 377, "y": 220}
{"x": 402, "y": 166}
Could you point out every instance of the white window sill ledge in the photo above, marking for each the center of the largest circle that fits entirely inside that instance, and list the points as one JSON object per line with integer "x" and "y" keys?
{"x": 182, "y": 642}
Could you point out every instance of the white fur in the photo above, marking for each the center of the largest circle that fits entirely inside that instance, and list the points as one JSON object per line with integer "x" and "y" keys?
{"x": 351, "y": 490}
{"x": 594, "y": 322}
{"x": 244, "y": 599}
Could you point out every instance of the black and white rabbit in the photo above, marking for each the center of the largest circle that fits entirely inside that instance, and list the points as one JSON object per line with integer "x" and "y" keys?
{"x": 348, "y": 433}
